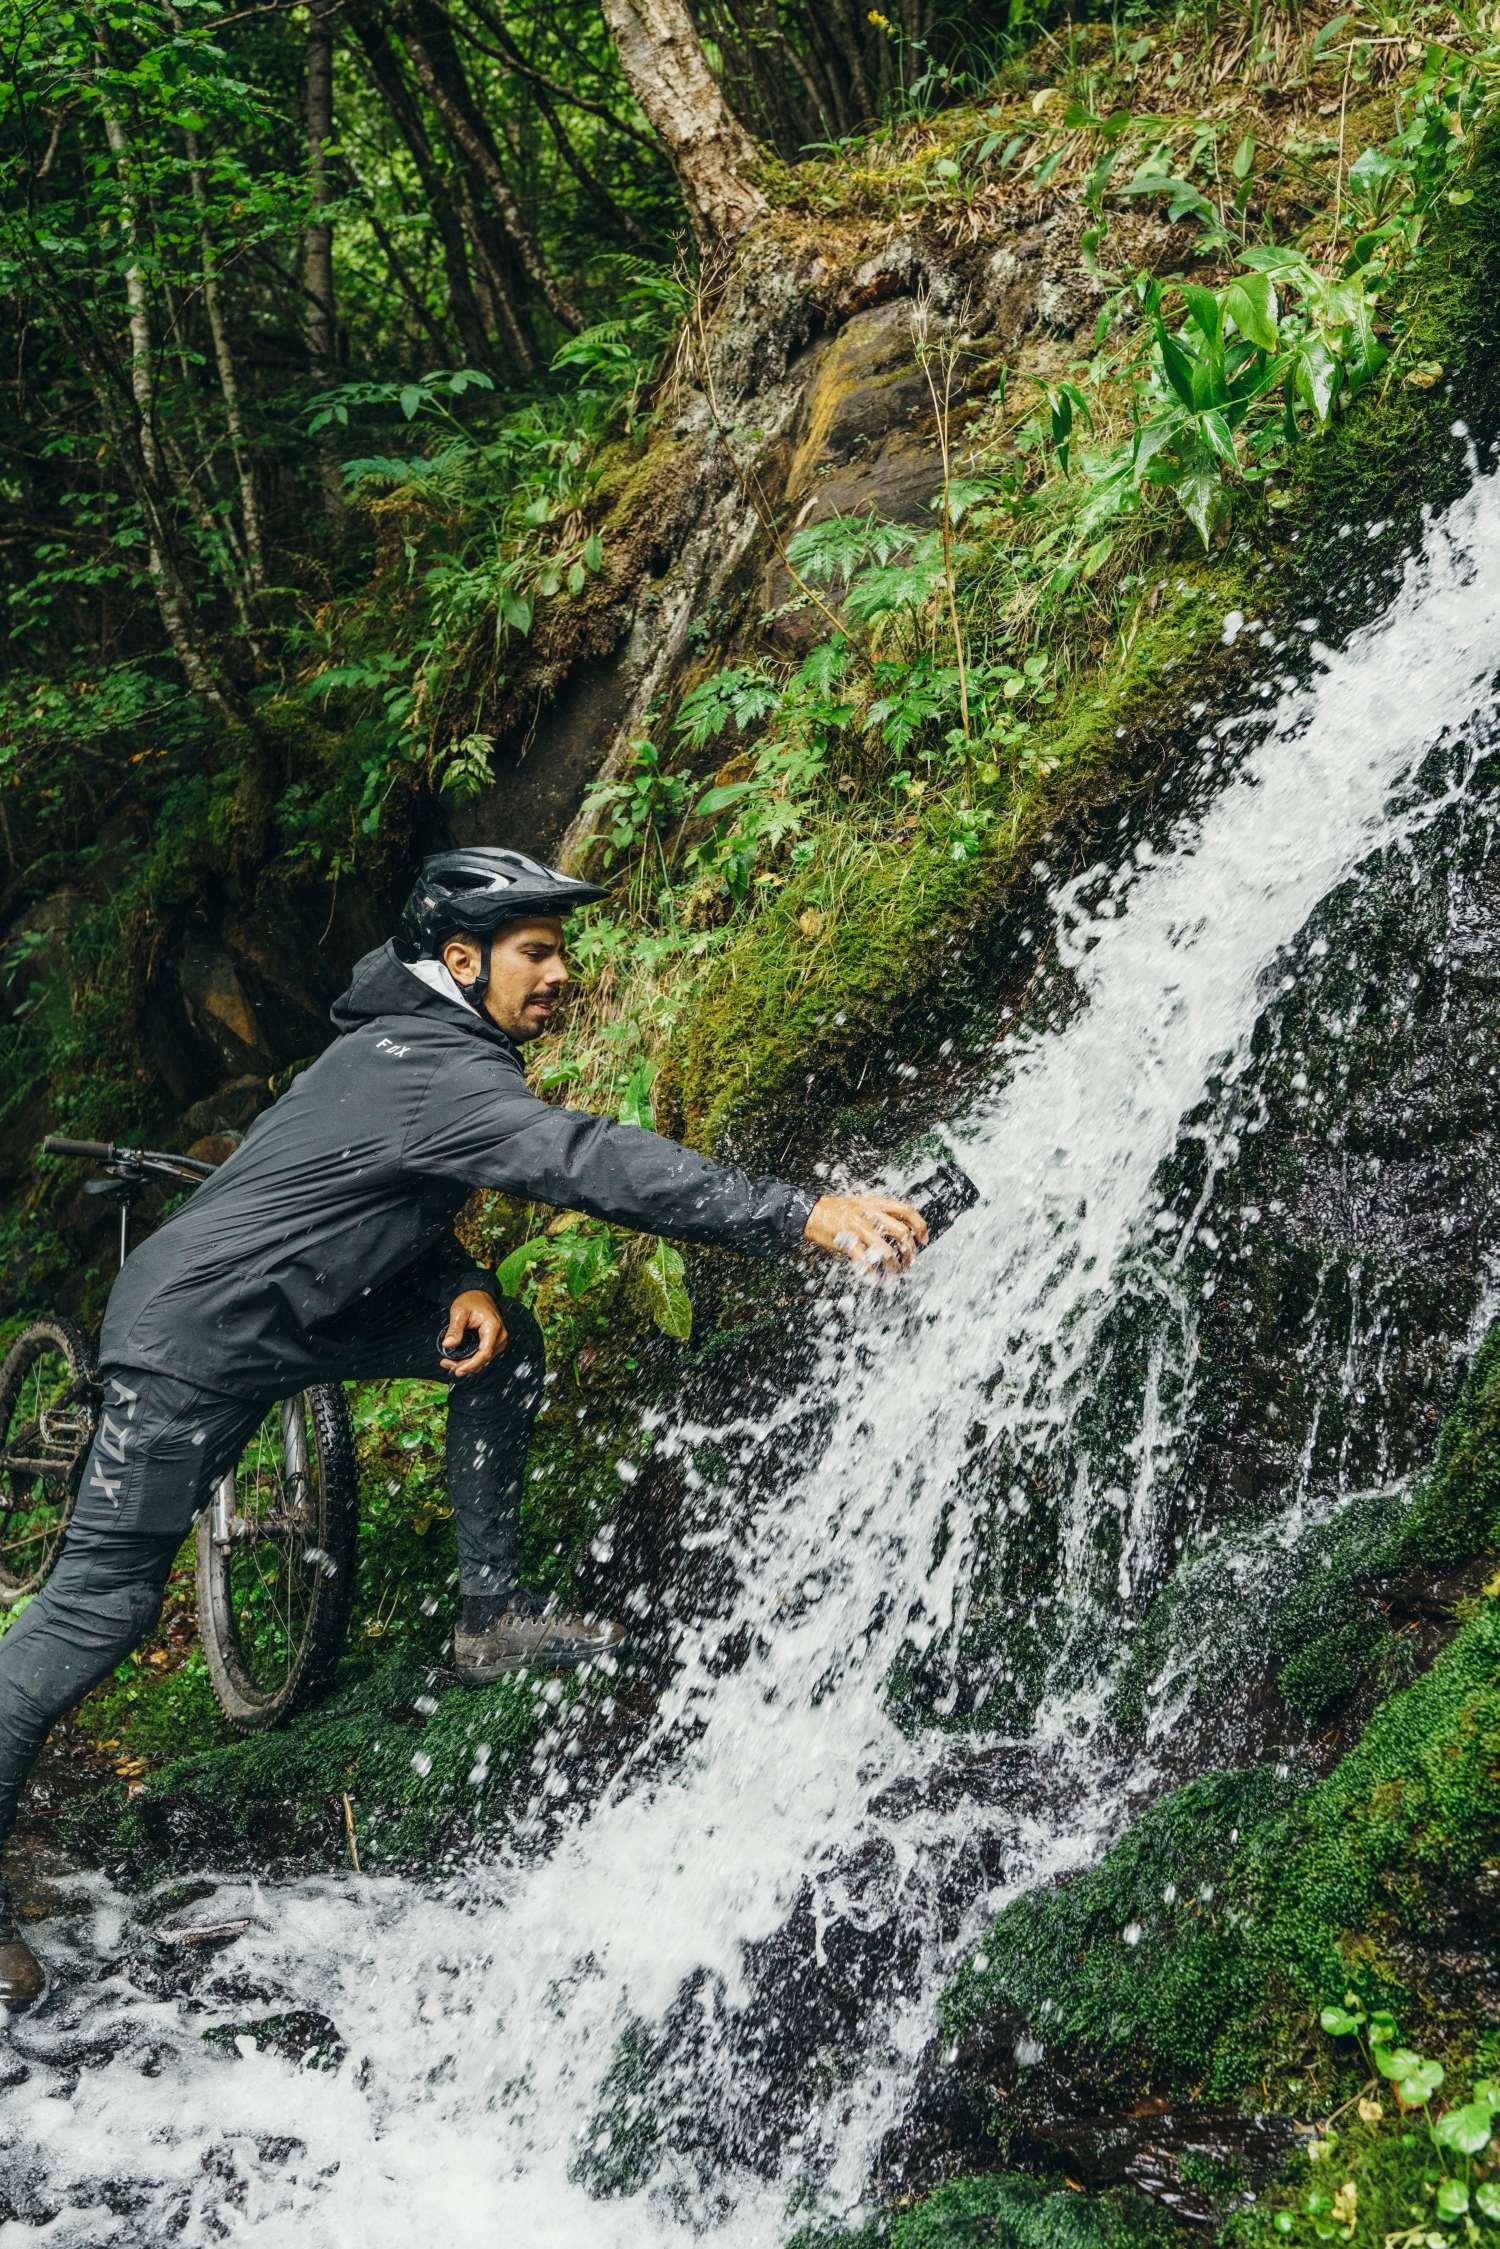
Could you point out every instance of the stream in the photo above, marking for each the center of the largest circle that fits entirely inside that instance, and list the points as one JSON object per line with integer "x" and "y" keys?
{"x": 694, "y": 2002}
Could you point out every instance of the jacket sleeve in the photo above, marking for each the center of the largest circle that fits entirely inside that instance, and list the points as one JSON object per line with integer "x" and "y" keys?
{"x": 451, "y": 1270}
{"x": 486, "y": 1128}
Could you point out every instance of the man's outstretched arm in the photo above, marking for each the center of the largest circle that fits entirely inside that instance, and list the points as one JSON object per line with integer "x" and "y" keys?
{"x": 507, "y": 1138}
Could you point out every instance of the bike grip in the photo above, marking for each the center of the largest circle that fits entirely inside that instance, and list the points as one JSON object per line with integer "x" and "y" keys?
{"x": 97, "y": 1151}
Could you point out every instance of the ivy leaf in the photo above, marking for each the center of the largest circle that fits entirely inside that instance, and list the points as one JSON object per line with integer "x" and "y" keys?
{"x": 1487, "y": 2199}
{"x": 1452, "y": 2198}
{"x": 1339, "y": 2023}
{"x": 1417, "y": 2090}
{"x": 1396, "y": 2062}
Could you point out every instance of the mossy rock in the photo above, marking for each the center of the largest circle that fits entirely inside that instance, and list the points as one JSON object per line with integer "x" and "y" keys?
{"x": 1004, "y": 2212}
{"x": 782, "y": 1005}
{"x": 1318, "y": 1627}
{"x": 1194, "y": 1957}
{"x": 425, "y": 1767}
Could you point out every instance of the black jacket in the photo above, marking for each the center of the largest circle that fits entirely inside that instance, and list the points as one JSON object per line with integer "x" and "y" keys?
{"x": 352, "y": 1181}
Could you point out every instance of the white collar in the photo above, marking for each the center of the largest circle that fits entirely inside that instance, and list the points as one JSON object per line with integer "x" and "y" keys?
{"x": 438, "y": 977}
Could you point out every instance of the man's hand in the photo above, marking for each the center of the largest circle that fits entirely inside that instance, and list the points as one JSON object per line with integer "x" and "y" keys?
{"x": 474, "y": 1309}
{"x": 872, "y": 1231}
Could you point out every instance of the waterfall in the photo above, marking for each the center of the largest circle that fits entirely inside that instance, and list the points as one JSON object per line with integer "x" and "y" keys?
{"x": 711, "y": 1980}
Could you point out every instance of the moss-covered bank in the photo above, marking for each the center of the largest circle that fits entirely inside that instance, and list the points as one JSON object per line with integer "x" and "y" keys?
{"x": 1191, "y": 1966}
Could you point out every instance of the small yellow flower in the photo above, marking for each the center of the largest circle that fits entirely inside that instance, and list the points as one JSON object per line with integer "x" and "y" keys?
{"x": 881, "y": 23}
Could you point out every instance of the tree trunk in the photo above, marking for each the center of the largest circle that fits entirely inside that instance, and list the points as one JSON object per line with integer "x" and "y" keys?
{"x": 442, "y": 79}
{"x": 143, "y": 456}
{"x": 663, "y": 59}
{"x": 317, "y": 242}
{"x": 218, "y": 328}
{"x": 385, "y": 68}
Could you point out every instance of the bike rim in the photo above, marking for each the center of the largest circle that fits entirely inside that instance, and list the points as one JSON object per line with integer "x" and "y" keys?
{"x": 272, "y": 1567}
{"x": 46, "y": 1433}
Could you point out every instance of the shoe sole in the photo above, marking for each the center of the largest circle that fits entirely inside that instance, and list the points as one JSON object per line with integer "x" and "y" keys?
{"x": 493, "y": 1671}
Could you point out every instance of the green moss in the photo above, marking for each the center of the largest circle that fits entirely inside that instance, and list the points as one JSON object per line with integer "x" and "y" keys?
{"x": 1002, "y": 2212}
{"x": 1318, "y": 1625}
{"x": 423, "y": 1770}
{"x": 1011, "y": 2213}
{"x": 779, "y": 1004}
{"x": 1195, "y": 1953}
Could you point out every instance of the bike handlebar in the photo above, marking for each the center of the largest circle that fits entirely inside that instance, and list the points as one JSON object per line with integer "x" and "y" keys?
{"x": 140, "y": 1159}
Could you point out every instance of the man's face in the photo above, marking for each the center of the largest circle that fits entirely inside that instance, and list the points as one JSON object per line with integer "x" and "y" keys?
{"x": 528, "y": 974}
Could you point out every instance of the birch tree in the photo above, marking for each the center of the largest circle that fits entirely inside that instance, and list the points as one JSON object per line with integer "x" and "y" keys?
{"x": 713, "y": 155}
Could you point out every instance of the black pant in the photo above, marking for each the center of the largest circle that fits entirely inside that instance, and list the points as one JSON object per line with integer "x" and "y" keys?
{"x": 160, "y": 1448}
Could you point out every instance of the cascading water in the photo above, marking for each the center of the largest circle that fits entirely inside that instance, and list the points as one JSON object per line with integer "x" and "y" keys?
{"x": 656, "y": 2015}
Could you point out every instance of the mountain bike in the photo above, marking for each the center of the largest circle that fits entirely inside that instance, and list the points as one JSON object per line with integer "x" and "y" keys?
{"x": 276, "y": 1543}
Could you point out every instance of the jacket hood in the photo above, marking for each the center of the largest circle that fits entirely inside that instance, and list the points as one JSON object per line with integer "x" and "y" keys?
{"x": 382, "y": 984}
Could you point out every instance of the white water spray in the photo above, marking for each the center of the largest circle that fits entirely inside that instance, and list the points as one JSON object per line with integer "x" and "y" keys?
{"x": 485, "y": 2074}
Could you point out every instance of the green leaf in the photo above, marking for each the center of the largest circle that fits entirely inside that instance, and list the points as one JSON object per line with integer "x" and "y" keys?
{"x": 1205, "y": 311}
{"x": 519, "y": 1263}
{"x": 515, "y": 608}
{"x": 593, "y": 552}
{"x": 1452, "y": 2198}
{"x": 1250, "y": 302}
{"x": 1339, "y": 2023}
{"x": 1487, "y": 2091}
{"x": 1199, "y": 487}
{"x": 1178, "y": 366}
{"x": 413, "y": 396}
{"x": 1487, "y": 2199}
{"x": 666, "y": 1291}
{"x": 1465, "y": 2129}
{"x": 1220, "y": 438}
{"x": 1244, "y": 157}
{"x": 720, "y": 799}
{"x": 1395, "y": 2062}
{"x": 1317, "y": 375}
{"x": 1417, "y": 2089}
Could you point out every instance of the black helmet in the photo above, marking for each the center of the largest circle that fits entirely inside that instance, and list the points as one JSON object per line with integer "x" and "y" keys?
{"x": 471, "y": 892}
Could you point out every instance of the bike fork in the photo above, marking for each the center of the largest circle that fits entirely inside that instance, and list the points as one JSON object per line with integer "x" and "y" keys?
{"x": 294, "y": 1465}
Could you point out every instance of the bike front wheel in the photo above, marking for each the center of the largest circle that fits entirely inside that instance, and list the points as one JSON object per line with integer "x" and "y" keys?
{"x": 47, "y": 1406}
{"x": 276, "y": 1559}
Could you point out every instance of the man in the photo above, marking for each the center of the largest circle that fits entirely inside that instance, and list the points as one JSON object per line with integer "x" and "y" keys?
{"x": 324, "y": 1251}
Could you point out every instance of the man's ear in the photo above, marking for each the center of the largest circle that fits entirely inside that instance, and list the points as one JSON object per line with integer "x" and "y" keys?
{"x": 461, "y": 959}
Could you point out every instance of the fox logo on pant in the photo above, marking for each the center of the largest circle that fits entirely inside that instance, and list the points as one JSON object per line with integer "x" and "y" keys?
{"x": 111, "y": 1441}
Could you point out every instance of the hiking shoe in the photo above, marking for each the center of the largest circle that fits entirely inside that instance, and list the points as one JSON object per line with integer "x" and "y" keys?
{"x": 22, "y": 1980}
{"x": 524, "y": 1640}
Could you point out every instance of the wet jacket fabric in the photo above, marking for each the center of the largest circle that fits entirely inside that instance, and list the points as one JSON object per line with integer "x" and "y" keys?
{"x": 351, "y": 1182}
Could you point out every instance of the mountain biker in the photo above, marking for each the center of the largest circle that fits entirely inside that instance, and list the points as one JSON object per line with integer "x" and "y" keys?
{"x": 324, "y": 1251}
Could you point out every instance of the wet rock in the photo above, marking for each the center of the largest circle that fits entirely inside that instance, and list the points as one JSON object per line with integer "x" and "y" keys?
{"x": 300, "y": 2035}
{"x": 227, "y": 1110}
{"x": 219, "y": 1008}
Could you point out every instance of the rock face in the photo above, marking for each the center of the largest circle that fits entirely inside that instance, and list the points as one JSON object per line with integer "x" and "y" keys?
{"x": 805, "y": 397}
